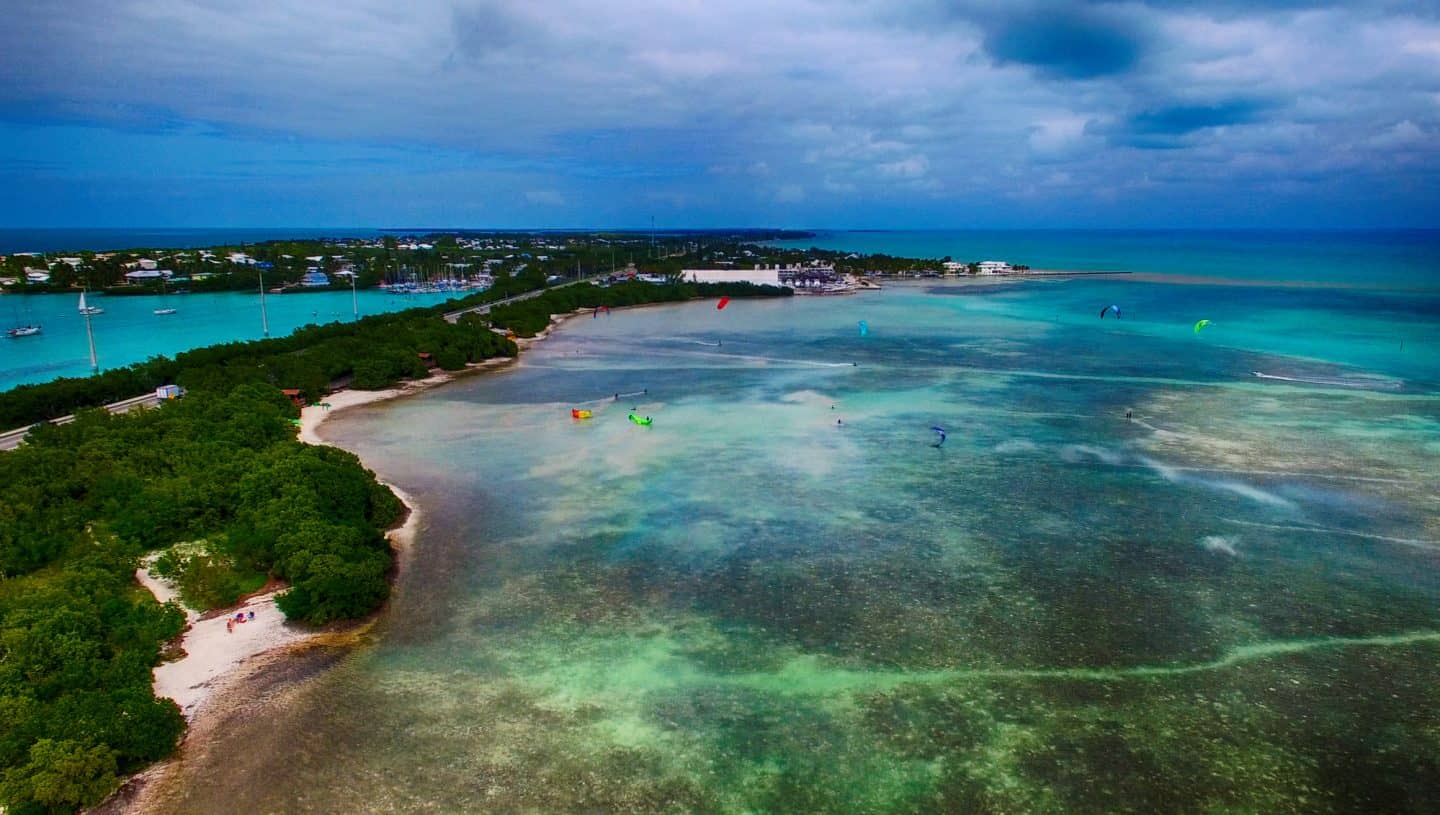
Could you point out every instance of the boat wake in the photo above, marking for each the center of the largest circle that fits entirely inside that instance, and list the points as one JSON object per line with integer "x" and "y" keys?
{"x": 1365, "y": 383}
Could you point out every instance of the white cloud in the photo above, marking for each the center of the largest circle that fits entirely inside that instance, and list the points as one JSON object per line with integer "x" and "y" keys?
{"x": 546, "y": 197}
{"x": 790, "y": 194}
{"x": 909, "y": 167}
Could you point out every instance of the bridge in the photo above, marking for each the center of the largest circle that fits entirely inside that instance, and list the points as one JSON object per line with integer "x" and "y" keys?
{"x": 11, "y": 439}
{"x": 484, "y": 308}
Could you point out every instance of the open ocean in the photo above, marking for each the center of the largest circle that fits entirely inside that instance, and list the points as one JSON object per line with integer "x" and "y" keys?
{"x": 1381, "y": 258}
{"x": 1151, "y": 569}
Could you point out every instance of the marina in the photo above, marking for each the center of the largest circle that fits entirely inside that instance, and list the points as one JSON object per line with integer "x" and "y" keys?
{"x": 129, "y": 329}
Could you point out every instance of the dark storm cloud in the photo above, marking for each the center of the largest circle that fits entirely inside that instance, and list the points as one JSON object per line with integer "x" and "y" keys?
{"x": 1189, "y": 118}
{"x": 1073, "y": 43}
{"x": 865, "y": 112}
{"x": 1166, "y": 127}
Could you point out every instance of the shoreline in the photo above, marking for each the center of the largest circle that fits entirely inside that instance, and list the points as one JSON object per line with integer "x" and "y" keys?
{"x": 211, "y": 682}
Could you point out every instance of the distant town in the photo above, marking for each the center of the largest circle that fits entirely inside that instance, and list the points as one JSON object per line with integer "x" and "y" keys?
{"x": 462, "y": 262}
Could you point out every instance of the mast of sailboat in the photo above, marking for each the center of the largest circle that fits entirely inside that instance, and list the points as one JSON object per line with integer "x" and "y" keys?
{"x": 264, "y": 321}
{"x": 89, "y": 335}
{"x": 354, "y": 298}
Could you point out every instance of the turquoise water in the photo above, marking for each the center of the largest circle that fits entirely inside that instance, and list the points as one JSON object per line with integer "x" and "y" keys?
{"x": 1393, "y": 264}
{"x": 781, "y": 598}
{"x": 1390, "y": 258}
{"x": 129, "y": 330}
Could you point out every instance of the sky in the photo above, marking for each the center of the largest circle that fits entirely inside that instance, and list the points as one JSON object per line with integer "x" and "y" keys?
{"x": 779, "y": 113}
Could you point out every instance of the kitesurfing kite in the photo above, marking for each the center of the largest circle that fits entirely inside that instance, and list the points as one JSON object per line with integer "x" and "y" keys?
{"x": 938, "y": 429}
{"x": 1115, "y": 309}
{"x": 1201, "y": 325}
{"x": 864, "y": 328}
{"x": 577, "y": 413}
{"x": 724, "y": 301}
{"x": 643, "y": 422}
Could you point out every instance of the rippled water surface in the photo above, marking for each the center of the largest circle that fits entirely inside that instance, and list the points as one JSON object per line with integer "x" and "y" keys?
{"x": 780, "y": 597}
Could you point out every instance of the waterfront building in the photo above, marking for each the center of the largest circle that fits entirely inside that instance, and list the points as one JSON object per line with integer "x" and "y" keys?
{"x": 767, "y": 276}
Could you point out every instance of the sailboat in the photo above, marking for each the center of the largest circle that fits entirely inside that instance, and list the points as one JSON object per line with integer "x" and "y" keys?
{"x": 88, "y": 310}
{"x": 26, "y": 329}
{"x": 164, "y": 309}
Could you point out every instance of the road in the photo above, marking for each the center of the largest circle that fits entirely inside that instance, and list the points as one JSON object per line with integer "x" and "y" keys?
{"x": 484, "y": 308}
{"x": 12, "y": 439}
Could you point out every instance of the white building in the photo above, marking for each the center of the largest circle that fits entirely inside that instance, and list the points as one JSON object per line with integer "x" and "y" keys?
{"x": 141, "y": 275}
{"x": 241, "y": 258}
{"x": 995, "y": 267}
{"x": 757, "y": 275}
{"x": 954, "y": 267}
{"x": 37, "y": 275}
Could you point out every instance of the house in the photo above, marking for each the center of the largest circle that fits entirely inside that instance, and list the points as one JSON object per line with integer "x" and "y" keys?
{"x": 994, "y": 267}
{"x": 74, "y": 262}
{"x": 241, "y": 258}
{"x": 295, "y": 395}
{"x": 144, "y": 275}
{"x": 954, "y": 267}
{"x": 314, "y": 278}
{"x": 146, "y": 263}
{"x": 36, "y": 275}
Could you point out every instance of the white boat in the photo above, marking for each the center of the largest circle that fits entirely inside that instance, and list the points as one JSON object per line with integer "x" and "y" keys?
{"x": 84, "y": 309}
{"x": 164, "y": 307}
{"x": 23, "y": 329}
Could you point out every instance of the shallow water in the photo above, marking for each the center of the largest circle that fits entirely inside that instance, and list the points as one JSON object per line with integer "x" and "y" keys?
{"x": 780, "y": 597}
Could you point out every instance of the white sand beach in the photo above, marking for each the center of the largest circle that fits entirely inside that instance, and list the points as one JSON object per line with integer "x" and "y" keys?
{"x": 215, "y": 652}
{"x": 220, "y": 658}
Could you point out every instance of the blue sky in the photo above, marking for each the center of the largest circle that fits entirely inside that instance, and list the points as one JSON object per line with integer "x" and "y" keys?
{"x": 843, "y": 113}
